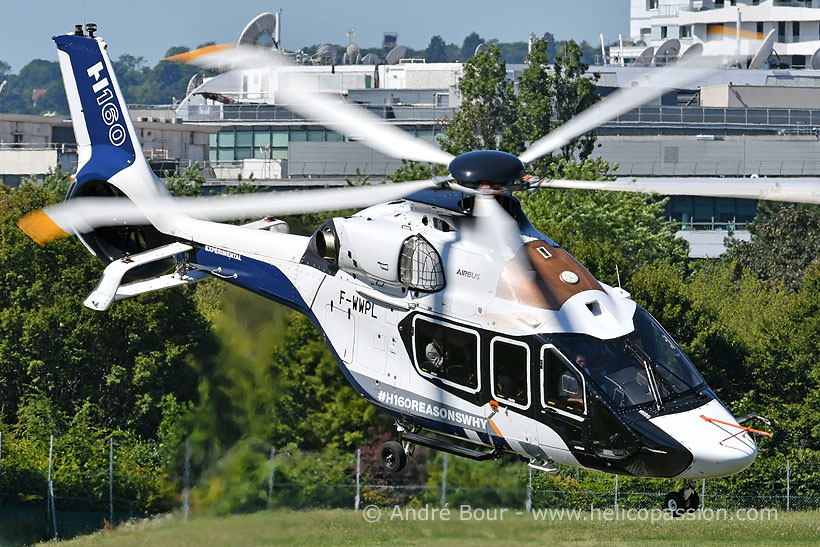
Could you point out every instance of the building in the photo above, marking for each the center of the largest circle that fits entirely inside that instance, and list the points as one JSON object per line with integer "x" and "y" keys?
{"x": 31, "y": 146}
{"x": 796, "y": 24}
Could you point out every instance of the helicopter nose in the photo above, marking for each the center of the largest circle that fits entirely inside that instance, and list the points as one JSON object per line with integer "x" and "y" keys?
{"x": 718, "y": 444}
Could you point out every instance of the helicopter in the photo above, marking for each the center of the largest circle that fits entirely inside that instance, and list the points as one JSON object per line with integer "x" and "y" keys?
{"x": 440, "y": 301}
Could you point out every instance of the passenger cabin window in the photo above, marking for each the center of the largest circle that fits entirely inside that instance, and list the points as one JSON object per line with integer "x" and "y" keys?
{"x": 420, "y": 265}
{"x": 446, "y": 352}
{"x": 510, "y": 372}
{"x": 563, "y": 387}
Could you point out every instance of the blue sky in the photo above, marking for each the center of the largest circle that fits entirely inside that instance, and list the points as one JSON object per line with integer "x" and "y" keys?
{"x": 148, "y": 28}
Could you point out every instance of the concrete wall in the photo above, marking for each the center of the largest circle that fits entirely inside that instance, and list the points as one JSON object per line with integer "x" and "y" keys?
{"x": 688, "y": 156}
{"x": 27, "y": 162}
{"x": 750, "y": 96}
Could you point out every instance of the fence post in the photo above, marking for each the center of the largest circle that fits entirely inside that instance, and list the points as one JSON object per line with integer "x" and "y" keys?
{"x": 358, "y": 479}
{"x": 616, "y": 492}
{"x": 51, "y": 487}
{"x": 703, "y": 494}
{"x": 528, "y": 504}
{"x": 111, "y": 481}
{"x": 446, "y": 458}
{"x": 186, "y": 480}
{"x": 788, "y": 485}
{"x": 270, "y": 478}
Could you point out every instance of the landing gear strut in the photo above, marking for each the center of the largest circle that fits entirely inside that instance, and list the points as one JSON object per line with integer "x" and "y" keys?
{"x": 682, "y": 501}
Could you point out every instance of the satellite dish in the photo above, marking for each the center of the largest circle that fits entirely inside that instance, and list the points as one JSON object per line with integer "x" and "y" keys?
{"x": 764, "y": 52}
{"x": 326, "y": 54}
{"x": 667, "y": 52}
{"x": 195, "y": 81}
{"x": 815, "y": 60}
{"x": 645, "y": 58}
{"x": 695, "y": 50}
{"x": 352, "y": 53}
{"x": 479, "y": 48}
{"x": 396, "y": 54}
{"x": 370, "y": 59}
{"x": 259, "y": 32}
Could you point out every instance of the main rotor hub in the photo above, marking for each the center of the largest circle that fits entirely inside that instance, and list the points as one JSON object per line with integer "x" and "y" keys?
{"x": 493, "y": 168}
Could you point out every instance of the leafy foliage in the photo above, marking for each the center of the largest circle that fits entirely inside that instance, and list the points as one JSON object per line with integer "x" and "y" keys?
{"x": 786, "y": 241}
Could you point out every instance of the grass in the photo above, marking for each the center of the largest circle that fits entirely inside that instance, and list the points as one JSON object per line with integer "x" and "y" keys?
{"x": 344, "y": 527}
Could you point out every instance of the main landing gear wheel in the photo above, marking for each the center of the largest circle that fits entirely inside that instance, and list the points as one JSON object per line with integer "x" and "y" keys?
{"x": 684, "y": 501}
{"x": 393, "y": 456}
{"x": 674, "y": 504}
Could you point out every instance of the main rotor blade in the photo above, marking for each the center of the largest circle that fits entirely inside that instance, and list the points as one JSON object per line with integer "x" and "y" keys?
{"x": 616, "y": 104}
{"x": 83, "y": 215}
{"x": 796, "y": 190}
{"x": 325, "y": 108}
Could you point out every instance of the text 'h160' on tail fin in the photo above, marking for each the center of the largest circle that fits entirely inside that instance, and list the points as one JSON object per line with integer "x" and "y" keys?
{"x": 105, "y": 136}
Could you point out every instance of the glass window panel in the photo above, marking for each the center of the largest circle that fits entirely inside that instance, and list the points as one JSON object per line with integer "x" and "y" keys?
{"x": 280, "y": 138}
{"x": 225, "y": 154}
{"x": 446, "y": 353}
{"x": 279, "y": 154}
{"x": 511, "y": 372}
{"x": 243, "y": 153}
{"x": 261, "y": 139}
{"x": 244, "y": 138}
{"x": 316, "y": 135}
{"x": 298, "y": 136}
{"x": 212, "y": 154}
{"x": 212, "y": 140}
{"x": 332, "y": 136}
{"x": 226, "y": 138}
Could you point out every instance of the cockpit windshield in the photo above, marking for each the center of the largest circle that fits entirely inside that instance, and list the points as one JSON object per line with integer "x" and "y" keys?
{"x": 642, "y": 367}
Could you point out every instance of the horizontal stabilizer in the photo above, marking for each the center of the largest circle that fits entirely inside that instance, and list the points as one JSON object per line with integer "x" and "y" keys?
{"x": 108, "y": 287}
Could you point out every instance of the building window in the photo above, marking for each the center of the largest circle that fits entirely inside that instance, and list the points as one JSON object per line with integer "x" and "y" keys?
{"x": 796, "y": 30}
{"x": 760, "y": 30}
{"x": 781, "y": 31}
{"x": 718, "y": 3}
{"x": 685, "y": 31}
{"x": 651, "y": 4}
{"x": 664, "y": 32}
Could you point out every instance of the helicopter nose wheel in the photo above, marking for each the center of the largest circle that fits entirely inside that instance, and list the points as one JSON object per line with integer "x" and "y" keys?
{"x": 393, "y": 456}
{"x": 682, "y": 501}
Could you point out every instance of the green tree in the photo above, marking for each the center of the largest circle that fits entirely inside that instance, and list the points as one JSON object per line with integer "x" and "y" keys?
{"x": 471, "y": 42}
{"x": 535, "y": 97}
{"x": 487, "y": 113}
{"x": 189, "y": 183}
{"x": 785, "y": 242}
{"x": 5, "y": 69}
{"x": 125, "y": 360}
{"x": 573, "y": 93}
{"x": 436, "y": 52}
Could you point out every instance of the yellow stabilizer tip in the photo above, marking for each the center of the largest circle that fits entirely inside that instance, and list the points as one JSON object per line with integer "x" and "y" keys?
{"x": 189, "y": 56}
{"x": 39, "y": 227}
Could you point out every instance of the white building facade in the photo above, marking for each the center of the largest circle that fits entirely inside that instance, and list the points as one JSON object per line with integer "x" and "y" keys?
{"x": 796, "y": 24}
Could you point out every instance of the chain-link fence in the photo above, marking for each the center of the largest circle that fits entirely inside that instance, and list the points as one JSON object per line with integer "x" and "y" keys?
{"x": 58, "y": 501}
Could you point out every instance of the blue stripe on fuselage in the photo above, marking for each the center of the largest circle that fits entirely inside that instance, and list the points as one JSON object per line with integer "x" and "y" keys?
{"x": 104, "y": 114}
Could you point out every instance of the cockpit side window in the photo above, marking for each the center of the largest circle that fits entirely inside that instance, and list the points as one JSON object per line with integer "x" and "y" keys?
{"x": 446, "y": 352}
{"x": 510, "y": 372}
{"x": 562, "y": 386}
{"x": 420, "y": 265}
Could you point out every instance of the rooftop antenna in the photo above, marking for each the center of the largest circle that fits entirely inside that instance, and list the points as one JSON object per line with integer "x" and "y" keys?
{"x": 603, "y": 50}
{"x": 618, "y": 273}
{"x": 350, "y": 34}
{"x": 83, "y": 4}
